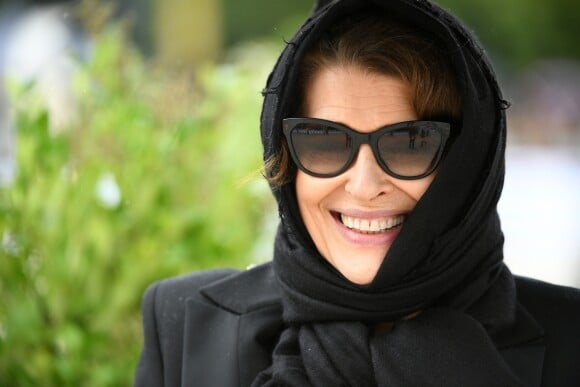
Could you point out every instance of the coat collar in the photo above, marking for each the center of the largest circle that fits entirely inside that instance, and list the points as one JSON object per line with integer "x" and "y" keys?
{"x": 229, "y": 337}
{"x": 245, "y": 291}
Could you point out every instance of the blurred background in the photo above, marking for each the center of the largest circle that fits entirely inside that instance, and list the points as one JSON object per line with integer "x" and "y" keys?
{"x": 130, "y": 152}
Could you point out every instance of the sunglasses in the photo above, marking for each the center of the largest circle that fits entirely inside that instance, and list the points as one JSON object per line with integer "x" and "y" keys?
{"x": 405, "y": 150}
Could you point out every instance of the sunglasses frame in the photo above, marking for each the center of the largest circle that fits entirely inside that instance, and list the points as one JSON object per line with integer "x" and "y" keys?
{"x": 372, "y": 138}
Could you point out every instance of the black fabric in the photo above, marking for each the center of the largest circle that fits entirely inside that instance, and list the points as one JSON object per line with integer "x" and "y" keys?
{"x": 329, "y": 344}
{"x": 447, "y": 261}
{"x": 415, "y": 354}
{"x": 546, "y": 327}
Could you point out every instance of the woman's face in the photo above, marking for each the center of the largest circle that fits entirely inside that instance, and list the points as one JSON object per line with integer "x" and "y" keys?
{"x": 336, "y": 210}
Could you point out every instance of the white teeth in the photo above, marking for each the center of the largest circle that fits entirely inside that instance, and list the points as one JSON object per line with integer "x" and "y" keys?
{"x": 373, "y": 225}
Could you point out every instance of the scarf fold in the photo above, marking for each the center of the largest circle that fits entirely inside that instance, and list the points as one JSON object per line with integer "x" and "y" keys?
{"x": 461, "y": 267}
{"x": 440, "y": 347}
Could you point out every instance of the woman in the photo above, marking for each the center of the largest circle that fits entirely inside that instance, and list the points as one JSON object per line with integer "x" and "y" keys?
{"x": 384, "y": 133}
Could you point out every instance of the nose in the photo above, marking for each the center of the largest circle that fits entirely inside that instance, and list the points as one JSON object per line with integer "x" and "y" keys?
{"x": 366, "y": 179}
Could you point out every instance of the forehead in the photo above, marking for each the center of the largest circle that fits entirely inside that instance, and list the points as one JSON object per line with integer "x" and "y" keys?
{"x": 359, "y": 99}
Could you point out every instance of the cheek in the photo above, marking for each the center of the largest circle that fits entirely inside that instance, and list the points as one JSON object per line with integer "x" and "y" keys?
{"x": 301, "y": 185}
{"x": 308, "y": 191}
{"x": 416, "y": 188}
{"x": 311, "y": 193}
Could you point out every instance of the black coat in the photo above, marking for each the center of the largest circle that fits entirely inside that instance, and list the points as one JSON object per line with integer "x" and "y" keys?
{"x": 218, "y": 328}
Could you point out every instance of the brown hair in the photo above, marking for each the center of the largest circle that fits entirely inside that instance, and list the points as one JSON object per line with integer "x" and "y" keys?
{"x": 377, "y": 44}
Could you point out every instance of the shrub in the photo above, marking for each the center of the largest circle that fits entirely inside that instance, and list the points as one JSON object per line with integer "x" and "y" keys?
{"x": 149, "y": 182}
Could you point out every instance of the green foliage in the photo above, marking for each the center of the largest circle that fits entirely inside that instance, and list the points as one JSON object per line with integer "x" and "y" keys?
{"x": 519, "y": 32}
{"x": 151, "y": 181}
{"x": 248, "y": 19}
{"x": 516, "y": 32}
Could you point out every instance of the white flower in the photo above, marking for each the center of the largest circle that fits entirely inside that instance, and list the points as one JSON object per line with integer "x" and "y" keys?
{"x": 108, "y": 192}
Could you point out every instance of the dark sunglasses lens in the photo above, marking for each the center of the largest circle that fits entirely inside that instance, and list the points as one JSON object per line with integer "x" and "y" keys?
{"x": 410, "y": 151}
{"x": 321, "y": 149}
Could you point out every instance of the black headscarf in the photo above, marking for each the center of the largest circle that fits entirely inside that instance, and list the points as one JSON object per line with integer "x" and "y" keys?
{"x": 447, "y": 261}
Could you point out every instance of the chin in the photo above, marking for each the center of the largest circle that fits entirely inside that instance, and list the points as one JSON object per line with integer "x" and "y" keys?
{"x": 362, "y": 275}
{"x": 360, "y": 278}
{"x": 359, "y": 265}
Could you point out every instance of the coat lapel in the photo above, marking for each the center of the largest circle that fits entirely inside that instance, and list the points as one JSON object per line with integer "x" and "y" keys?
{"x": 522, "y": 347}
{"x": 231, "y": 331}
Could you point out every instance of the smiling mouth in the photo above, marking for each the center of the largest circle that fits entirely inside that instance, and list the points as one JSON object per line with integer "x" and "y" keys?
{"x": 371, "y": 226}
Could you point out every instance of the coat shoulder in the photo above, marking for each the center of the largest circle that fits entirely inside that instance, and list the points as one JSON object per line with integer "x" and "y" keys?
{"x": 165, "y": 304}
{"x": 557, "y": 309}
{"x": 238, "y": 291}
{"x": 549, "y": 302}
{"x": 171, "y": 293}
{"x": 163, "y": 315}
